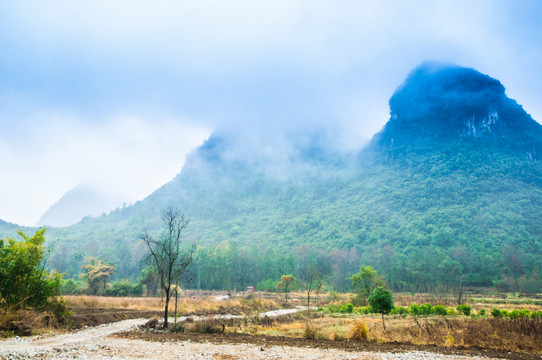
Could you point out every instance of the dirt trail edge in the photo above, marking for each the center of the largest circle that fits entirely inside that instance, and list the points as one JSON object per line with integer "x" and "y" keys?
{"x": 123, "y": 340}
{"x": 41, "y": 345}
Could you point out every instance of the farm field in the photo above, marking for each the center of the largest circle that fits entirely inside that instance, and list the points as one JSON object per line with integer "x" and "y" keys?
{"x": 323, "y": 331}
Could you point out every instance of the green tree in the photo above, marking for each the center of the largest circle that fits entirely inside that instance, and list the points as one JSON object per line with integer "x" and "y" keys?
{"x": 23, "y": 279}
{"x": 150, "y": 279}
{"x": 364, "y": 282}
{"x": 381, "y": 301}
{"x": 285, "y": 285}
{"x": 97, "y": 272}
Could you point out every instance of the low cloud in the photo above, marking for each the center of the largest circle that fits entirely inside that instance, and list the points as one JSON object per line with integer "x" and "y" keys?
{"x": 128, "y": 156}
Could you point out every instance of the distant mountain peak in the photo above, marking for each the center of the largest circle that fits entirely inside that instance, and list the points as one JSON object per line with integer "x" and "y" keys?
{"x": 440, "y": 101}
{"x": 81, "y": 201}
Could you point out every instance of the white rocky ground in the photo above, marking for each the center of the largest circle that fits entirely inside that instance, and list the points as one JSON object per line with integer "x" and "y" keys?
{"x": 95, "y": 343}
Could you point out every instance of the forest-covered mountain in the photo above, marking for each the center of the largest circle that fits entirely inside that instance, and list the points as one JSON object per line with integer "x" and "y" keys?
{"x": 448, "y": 193}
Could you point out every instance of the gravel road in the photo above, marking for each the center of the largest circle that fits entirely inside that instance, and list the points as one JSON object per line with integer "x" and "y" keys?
{"x": 96, "y": 343}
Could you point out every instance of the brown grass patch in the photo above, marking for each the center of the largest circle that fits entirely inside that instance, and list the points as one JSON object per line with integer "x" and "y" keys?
{"x": 185, "y": 305}
{"x": 522, "y": 334}
{"x": 28, "y": 322}
{"x": 358, "y": 331}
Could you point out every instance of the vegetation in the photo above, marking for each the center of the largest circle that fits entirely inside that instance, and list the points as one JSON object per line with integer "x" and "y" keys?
{"x": 381, "y": 301}
{"x": 96, "y": 273}
{"x": 430, "y": 205}
{"x": 23, "y": 278}
{"x": 363, "y": 283}
{"x": 168, "y": 255}
{"x": 286, "y": 284}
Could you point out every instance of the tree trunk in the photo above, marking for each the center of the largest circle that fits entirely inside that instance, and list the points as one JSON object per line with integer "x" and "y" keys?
{"x": 383, "y": 323}
{"x": 166, "y": 309}
{"x": 176, "y": 298}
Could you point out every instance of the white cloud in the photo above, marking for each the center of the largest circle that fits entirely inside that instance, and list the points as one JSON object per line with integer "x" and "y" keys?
{"x": 128, "y": 156}
{"x": 243, "y": 65}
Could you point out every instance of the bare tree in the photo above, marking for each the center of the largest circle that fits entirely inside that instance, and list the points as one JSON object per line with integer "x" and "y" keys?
{"x": 309, "y": 278}
{"x": 169, "y": 254}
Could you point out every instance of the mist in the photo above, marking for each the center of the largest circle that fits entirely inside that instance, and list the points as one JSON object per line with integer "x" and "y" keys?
{"x": 117, "y": 93}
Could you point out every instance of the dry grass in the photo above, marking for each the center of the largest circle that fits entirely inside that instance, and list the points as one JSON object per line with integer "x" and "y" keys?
{"x": 27, "y": 322}
{"x": 358, "y": 331}
{"x": 523, "y": 334}
{"x": 185, "y": 305}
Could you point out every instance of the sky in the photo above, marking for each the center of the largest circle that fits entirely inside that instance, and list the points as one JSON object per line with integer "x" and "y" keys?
{"x": 115, "y": 93}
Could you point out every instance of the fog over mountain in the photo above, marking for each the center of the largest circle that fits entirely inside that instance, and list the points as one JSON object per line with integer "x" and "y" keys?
{"x": 81, "y": 201}
{"x": 447, "y": 193}
{"x": 116, "y": 94}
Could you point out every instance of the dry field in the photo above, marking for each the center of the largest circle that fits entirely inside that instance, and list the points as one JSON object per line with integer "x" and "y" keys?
{"x": 448, "y": 332}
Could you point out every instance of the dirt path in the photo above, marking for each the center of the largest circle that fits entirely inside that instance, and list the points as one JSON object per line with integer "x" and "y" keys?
{"x": 120, "y": 341}
{"x": 96, "y": 343}
{"x": 40, "y": 345}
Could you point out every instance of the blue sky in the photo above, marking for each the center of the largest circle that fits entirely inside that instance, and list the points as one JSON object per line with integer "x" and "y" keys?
{"x": 115, "y": 93}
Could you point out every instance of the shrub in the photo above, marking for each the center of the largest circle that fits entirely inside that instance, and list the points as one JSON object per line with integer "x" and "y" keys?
{"x": 450, "y": 311}
{"x": 358, "y": 331}
{"x": 337, "y": 336}
{"x": 482, "y": 312}
{"x": 440, "y": 310}
{"x": 399, "y": 310}
{"x": 536, "y": 315}
{"x": 209, "y": 326}
{"x": 426, "y": 309}
{"x": 364, "y": 310}
{"x": 514, "y": 314}
{"x": 310, "y": 332}
{"x": 465, "y": 309}
{"x": 415, "y": 309}
{"x": 23, "y": 279}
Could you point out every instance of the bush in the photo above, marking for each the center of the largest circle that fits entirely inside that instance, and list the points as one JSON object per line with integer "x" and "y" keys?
{"x": 450, "y": 311}
{"x": 440, "y": 310}
{"x": 346, "y": 309}
{"x": 514, "y": 314}
{"x": 415, "y": 309}
{"x": 426, "y": 309}
{"x": 23, "y": 280}
{"x": 496, "y": 313}
{"x": 358, "y": 331}
{"x": 310, "y": 332}
{"x": 536, "y": 315}
{"x": 209, "y": 326}
{"x": 124, "y": 288}
{"x": 267, "y": 285}
{"x": 71, "y": 287}
{"x": 399, "y": 310}
{"x": 465, "y": 309}
{"x": 364, "y": 310}
{"x": 482, "y": 312}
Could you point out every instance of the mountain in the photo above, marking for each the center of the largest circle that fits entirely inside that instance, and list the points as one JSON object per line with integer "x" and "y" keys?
{"x": 441, "y": 102}
{"x": 81, "y": 201}
{"x": 448, "y": 193}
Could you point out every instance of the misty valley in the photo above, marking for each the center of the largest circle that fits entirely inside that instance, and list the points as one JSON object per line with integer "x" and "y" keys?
{"x": 430, "y": 234}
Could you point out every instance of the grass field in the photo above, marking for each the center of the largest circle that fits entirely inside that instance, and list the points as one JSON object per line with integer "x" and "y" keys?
{"x": 521, "y": 334}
